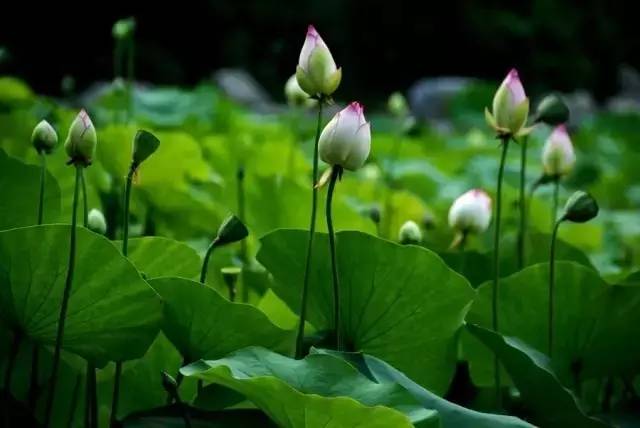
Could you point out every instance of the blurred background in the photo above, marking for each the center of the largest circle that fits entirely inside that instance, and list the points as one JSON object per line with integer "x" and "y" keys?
{"x": 591, "y": 45}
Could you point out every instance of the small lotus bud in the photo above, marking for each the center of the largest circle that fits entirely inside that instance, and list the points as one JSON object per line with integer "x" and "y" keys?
{"x": 471, "y": 212}
{"x": 317, "y": 73}
{"x": 44, "y": 138}
{"x": 510, "y": 107}
{"x": 144, "y": 145}
{"x": 97, "y": 222}
{"x": 123, "y": 28}
{"x": 374, "y": 214}
{"x": 346, "y": 140}
{"x": 552, "y": 110}
{"x": 294, "y": 94}
{"x": 232, "y": 230}
{"x": 397, "y": 105}
{"x": 558, "y": 157}
{"x": 81, "y": 141}
{"x": 580, "y": 208}
{"x": 410, "y": 233}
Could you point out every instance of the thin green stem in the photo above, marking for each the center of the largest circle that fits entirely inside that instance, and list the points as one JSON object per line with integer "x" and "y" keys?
{"x": 335, "y": 174}
{"x": 65, "y": 301}
{"x": 91, "y": 397}
{"x": 115, "y": 398}
{"x": 522, "y": 231}
{"x": 554, "y": 204}
{"x": 205, "y": 263}
{"x": 243, "y": 243}
{"x": 312, "y": 229}
{"x": 496, "y": 268}
{"x": 85, "y": 202}
{"x": 43, "y": 178}
{"x": 552, "y": 280}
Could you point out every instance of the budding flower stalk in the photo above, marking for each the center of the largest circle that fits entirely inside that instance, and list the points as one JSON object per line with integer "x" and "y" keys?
{"x": 580, "y": 208}
{"x": 510, "y": 108}
{"x": 346, "y": 140}
{"x": 317, "y": 73}
{"x": 558, "y": 156}
{"x": 471, "y": 212}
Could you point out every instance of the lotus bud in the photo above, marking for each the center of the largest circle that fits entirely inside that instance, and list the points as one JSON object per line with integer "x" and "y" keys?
{"x": 580, "y": 208}
{"x": 374, "y": 214}
{"x": 346, "y": 140}
{"x": 144, "y": 145}
{"x": 123, "y": 28}
{"x": 410, "y": 233}
{"x": 294, "y": 94}
{"x": 232, "y": 230}
{"x": 558, "y": 157}
{"x": 552, "y": 110}
{"x": 471, "y": 212}
{"x": 397, "y": 105}
{"x": 97, "y": 222}
{"x": 44, "y": 138}
{"x": 510, "y": 108}
{"x": 317, "y": 73}
{"x": 81, "y": 141}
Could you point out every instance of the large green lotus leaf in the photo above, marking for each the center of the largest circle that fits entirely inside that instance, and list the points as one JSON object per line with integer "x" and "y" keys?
{"x": 386, "y": 291}
{"x": 155, "y": 256}
{"x": 318, "y": 391}
{"x": 592, "y": 336}
{"x": 141, "y": 382}
{"x": 451, "y": 415}
{"x": 550, "y": 403}
{"x": 20, "y": 184}
{"x": 203, "y": 324}
{"x": 113, "y": 313}
{"x": 14, "y": 91}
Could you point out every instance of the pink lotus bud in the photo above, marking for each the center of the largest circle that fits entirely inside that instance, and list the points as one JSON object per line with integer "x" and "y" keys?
{"x": 317, "y": 73}
{"x": 471, "y": 212}
{"x": 510, "y": 106}
{"x": 558, "y": 157}
{"x": 81, "y": 141}
{"x": 346, "y": 140}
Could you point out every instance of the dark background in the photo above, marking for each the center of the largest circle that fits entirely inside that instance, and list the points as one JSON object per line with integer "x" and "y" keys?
{"x": 382, "y": 45}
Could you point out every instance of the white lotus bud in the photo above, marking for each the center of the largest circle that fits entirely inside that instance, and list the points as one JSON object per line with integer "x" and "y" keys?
{"x": 471, "y": 212}
{"x": 317, "y": 73}
{"x": 410, "y": 233}
{"x": 558, "y": 157}
{"x": 97, "y": 222}
{"x": 346, "y": 140}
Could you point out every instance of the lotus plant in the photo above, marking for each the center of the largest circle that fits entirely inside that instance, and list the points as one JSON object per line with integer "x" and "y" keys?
{"x": 558, "y": 159}
{"x": 319, "y": 76}
{"x": 469, "y": 214}
{"x": 508, "y": 119}
{"x": 344, "y": 144}
{"x": 144, "y": 145}
{"x": 80, "y": 147}
{"x": 580, "y": 208}
{"x": 553, "y": 111}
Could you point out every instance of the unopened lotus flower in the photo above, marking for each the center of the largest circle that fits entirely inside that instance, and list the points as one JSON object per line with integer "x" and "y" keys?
{"x": 44, "y": 138}
{"x": 317, "y": 73}
{"x": 346, "y": 140}
{"x": 294, "y": 94}
{"x": 558, "y": 157}
{"x": 97, "y": 222}
{"x": 510, "y": 107}
{"x": 410, "y": 233}
{"x": 81, "y": 141}
{"x": 471, "y": 212}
